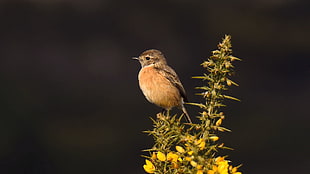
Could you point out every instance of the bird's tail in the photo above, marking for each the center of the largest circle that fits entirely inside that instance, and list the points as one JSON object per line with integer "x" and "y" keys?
{"x": 188, "y": 119}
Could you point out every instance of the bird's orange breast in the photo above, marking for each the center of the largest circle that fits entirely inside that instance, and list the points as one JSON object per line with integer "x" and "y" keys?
{"x": 158, "y": 89}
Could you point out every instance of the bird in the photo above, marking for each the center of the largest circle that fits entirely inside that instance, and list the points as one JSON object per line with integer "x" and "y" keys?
{"x": 159, "y": 83}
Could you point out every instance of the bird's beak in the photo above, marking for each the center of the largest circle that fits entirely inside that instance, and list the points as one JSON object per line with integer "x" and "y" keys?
{"x": 135, "y": 58}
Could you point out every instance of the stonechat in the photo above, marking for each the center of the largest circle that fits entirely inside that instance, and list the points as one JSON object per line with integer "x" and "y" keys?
{"x": 159, "y": 83}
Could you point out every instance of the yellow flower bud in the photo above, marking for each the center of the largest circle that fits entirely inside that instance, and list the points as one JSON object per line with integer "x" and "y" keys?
{"x": 189, "y": 138}
{"x": 180, "y": 149}
{"x": 197, "y": 142}
{"x": 219, "y": 122}
{"x": 204, "y": 113}
{"x": 234, "y": 170}
{"x": 228, "y": 82}
{"x": 161, "y": 156}
{"x": 214, "y": 138}
{"x": 193, "y": 163}
{"x": 202, "y": 145}
{"x": 153, "y": 157}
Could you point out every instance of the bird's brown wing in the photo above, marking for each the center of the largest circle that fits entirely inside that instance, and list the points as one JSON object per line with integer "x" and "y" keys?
{"x": 172, "y": 76}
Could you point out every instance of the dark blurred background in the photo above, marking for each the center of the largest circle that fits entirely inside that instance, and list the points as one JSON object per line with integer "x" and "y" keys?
{"x": 70, "y": 101}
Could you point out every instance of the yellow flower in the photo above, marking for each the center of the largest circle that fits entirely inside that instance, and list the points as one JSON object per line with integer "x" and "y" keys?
{"x": 233, "y": 170}
{"x": 188, "y": 158}
{"x": 202, "y": 145}
{"x": 190, "y": 152}
{"x": 199, "y": 167}
{"x": 214, "y": 168}
{"x": 197, "y": 142}
{"x": 149, "y": 167}
{"x": 214, "y": 138}
{"x": 172, "y": 157}
{"x": 219, "y": 159}
{"x": 210, "y": 172}
{"x": 161, "y": 156}
{"x": 199, "y": 172}
{"x": 189, "y": 138}
{"x": 223, "y": 167}
{"x": 175, "y": 165}
{"x": 179, "y": 149}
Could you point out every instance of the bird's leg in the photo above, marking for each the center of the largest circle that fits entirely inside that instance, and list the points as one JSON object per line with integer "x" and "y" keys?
{"x": 187, "y": 117}
{"x": 168, "y": 112}
{"x": 162, "y": 114}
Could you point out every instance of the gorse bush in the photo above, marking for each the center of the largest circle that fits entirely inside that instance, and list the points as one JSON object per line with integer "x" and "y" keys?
{"x": 192, "y": 148}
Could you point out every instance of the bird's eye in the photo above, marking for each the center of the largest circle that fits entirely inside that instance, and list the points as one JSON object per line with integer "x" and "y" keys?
{"x": 147, "y": 58}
